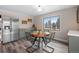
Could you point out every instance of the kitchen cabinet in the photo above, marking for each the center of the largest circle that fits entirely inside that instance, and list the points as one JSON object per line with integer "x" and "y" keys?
{"x": 73, "y": 41}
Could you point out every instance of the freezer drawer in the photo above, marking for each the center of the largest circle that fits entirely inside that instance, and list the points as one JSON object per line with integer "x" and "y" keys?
{"x": 6, "y": 37}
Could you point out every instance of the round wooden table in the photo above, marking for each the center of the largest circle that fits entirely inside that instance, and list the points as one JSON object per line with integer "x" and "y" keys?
{"x": 40, "y": 37}
{"x": 39, "y": 34}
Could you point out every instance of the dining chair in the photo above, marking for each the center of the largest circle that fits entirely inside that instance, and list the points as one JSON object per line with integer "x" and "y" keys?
{"x": 49, "y": 39}
{"x": 32, "y": 39}
{"x": 28, "y": 35}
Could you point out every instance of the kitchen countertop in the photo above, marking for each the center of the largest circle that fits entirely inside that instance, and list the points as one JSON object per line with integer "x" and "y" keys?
{"x": 73, "y": 33}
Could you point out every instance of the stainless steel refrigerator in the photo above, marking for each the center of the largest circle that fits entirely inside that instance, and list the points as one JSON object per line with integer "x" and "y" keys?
{"x": 14, "y": 29}
{"x": 10, "y": 29}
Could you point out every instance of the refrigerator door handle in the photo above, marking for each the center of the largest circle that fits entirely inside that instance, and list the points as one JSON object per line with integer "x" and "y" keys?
{"x": 10, "y": 29}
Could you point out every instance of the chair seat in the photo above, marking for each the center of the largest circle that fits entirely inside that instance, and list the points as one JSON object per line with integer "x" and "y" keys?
{"x": 48, "y": 49}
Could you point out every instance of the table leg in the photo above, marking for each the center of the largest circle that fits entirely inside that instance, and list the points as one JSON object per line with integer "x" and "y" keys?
{"x": 45, "y": 42}
{"x": 40, "y": 45}
{"x": 34, "y": 40}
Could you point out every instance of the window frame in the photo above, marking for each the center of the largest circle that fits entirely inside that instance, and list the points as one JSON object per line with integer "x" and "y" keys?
{"x": 50, "y": 28}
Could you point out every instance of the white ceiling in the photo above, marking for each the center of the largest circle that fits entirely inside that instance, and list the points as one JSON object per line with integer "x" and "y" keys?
{"x": 32, "y": 10}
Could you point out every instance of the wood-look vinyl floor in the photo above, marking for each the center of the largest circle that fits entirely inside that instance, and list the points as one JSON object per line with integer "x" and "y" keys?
{"x": 20, "y": 46}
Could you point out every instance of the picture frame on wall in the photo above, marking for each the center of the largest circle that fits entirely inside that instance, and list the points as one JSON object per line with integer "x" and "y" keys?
{"x": 29, "y": 20}
{"x": 24, "y": 22}
{"x": 78, "y": 14}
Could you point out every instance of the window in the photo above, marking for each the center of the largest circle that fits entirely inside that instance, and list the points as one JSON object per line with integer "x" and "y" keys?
{"x": 51, "y": 23}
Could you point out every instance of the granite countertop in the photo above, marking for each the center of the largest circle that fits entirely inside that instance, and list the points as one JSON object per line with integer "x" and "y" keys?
{"x": 73, "y": 33}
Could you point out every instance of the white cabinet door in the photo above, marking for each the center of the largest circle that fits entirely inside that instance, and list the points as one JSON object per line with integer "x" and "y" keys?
{"x": 74, "y": 44}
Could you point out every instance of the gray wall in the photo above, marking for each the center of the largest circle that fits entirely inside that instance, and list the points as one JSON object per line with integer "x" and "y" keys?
{"x": 67, "y": 21}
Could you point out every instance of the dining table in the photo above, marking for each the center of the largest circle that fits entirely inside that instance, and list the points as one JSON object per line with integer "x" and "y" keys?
{"x": 39, "y": 36}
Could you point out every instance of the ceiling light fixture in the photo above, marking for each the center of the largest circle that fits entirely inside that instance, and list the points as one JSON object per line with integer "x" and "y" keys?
{"x": 39, "y": 8}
